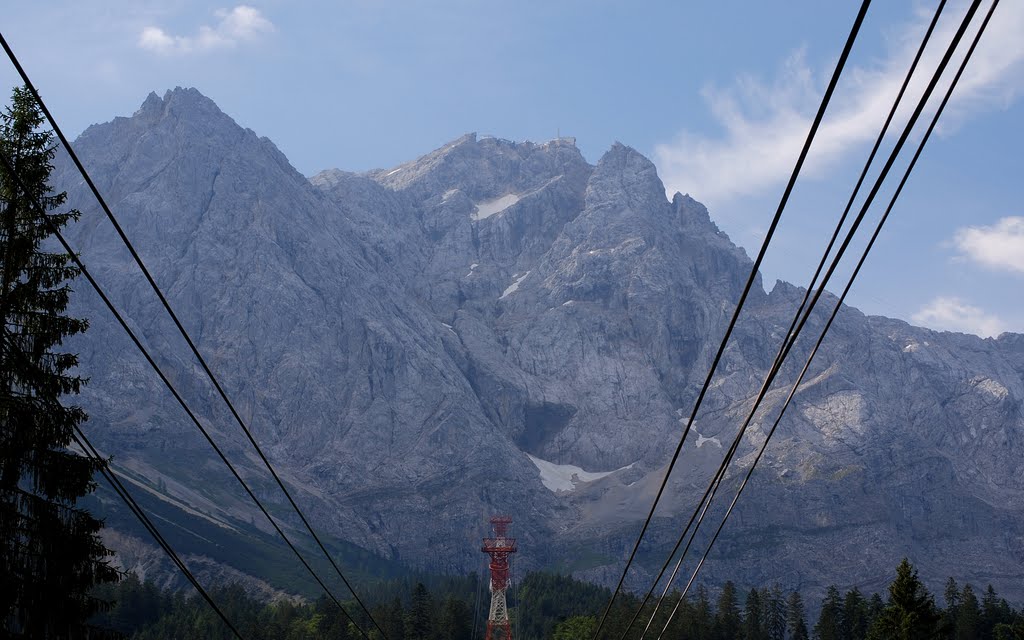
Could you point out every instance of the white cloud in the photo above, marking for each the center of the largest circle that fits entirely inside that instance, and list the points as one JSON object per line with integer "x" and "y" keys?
{"x": 765, "y": 123}
{"x": 952, "y": 314}
{"x": 241, "y": 24}
{"x": 1000, "y": 246}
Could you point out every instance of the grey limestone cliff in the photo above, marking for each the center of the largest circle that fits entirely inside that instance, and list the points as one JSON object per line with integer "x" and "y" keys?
{"x": 502, "y": 326}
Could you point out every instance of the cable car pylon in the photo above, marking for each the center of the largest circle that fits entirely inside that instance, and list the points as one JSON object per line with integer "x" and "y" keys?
{"x": 499, "y": 626}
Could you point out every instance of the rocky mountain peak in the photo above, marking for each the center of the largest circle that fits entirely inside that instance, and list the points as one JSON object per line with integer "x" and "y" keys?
{"x": 623, "y": 176}
{"x": 485, "y": 167}
{"x": 153, "y": 105}
{"x": 692, "y": 212}
{"x": 499, "y": 326}
{"x": 185, "y": 105}
{"x": 184, "y": 133}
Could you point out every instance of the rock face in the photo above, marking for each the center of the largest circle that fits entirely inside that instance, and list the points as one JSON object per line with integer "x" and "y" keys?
{"x": 502, "y": 327}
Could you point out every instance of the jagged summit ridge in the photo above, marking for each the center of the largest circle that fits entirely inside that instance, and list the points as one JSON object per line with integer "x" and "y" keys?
{"x": 179, "y": 98}
{"x": 425, "y": 343}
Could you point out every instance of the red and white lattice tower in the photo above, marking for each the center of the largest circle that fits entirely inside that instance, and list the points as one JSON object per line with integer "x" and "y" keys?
{"x": 499, "y": 547}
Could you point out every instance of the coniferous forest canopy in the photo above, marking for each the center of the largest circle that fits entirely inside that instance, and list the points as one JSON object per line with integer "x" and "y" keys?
{"x": 548, "y": 606}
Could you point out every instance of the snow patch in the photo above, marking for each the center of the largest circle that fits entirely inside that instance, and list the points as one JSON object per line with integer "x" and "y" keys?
{"x": 491, "y": 207}
{"x": 448, "y": 327}
{"x": 563, "y": 478}
{"x": 392, "y": 172}
{"x": 448, "y": 194}
{"x": 472, "y": 268}
{"x": 512, "y": 288}
{"x": 701, "y": 440}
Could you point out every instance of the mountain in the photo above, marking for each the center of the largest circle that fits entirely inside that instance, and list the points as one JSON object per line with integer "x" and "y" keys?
{"x": 503, "y": 327}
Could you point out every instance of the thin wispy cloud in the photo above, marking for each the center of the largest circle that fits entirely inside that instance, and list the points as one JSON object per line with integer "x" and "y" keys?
{"x": 999, "y": 247}
{"x": 764, "y": 123}
{"x": 953, "y": 314}
{"x": 242, "y": 24}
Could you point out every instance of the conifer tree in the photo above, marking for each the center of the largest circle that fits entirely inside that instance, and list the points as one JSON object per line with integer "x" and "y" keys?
{"x": 910, "y": 613}
{"x": 455, "y": 619}
{"x": 753, "y": 616}
{"x": 682, "y": 622}
{"x": 875, "y": 608}
{"x": 394, "y": 620}
{"x": 951, "y": 594}
{"x": 795, "y": 617}
{"x": 50, "y": 553}
{"x": 728, "y": 621}
{"x": 703, "y": 616}
{"x": 994, "y": 611}
{"x": 419, "y": 620}
{"x": 968, "y": 619}
{"x": 828, "y": 621}
{"x": 853, "y": 624}
{"x": 775, "y": 613}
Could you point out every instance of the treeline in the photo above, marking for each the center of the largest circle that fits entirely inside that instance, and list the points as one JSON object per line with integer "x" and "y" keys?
{"x": 547, "y": 606}
{"x": 908, "y": 612}
{"x": 406, "y": 609}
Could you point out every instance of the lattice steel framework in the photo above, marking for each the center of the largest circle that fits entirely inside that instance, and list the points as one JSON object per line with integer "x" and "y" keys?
{"x": 499, "y": 627}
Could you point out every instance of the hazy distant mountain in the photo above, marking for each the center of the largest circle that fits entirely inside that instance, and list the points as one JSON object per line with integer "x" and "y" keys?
{"x": 502, "y": 327}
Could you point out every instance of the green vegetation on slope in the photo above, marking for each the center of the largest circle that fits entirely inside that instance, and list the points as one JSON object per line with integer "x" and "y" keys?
{"x": 243, "y": 546}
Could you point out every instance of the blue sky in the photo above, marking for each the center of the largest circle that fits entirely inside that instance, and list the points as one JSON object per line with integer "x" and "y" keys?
{"x": 719, "y": 95}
